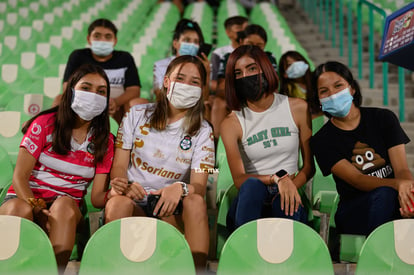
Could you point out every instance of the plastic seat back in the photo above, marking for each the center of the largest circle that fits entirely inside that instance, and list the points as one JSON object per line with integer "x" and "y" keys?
{"x": 275, "y": 246}
{"x": 389, "y": 249}
{"x": 224, "y": 178}
{"x": 137, "y": 245}
{"x": 224, "y": 206}
{"x": 10, "y": 132}
{"x": 25, "y": 248}
{"x": 6, "y": 172}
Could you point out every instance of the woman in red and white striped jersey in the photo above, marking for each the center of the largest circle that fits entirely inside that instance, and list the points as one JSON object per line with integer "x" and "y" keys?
{"x": 63, "y": 150}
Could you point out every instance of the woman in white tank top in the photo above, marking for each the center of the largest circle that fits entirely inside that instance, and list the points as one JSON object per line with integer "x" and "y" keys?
{"x": 262, "y": 137}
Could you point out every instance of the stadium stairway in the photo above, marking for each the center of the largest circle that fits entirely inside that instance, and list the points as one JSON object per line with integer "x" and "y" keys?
{"x": 320, "y": 50}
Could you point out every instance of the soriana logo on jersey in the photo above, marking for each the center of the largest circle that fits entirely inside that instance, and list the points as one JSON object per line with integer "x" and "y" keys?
{"x": 159, "y": 171}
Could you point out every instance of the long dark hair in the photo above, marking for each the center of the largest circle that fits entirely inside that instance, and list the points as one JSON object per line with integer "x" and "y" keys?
{"x": 341, "y": 70}
{"x": 194, "y": 115}
{"x": 260, "y": 57}
{"x": 287, "y": 84}
{"x": 66, "y": 117}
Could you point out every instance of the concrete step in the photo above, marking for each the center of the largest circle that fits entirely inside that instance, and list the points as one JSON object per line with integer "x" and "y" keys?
{"x": 320, "y": 50}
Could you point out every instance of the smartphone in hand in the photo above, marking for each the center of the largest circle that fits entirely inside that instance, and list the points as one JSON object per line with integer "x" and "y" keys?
{"x": 204, "y": 48}
{"x": 152, "y": 201}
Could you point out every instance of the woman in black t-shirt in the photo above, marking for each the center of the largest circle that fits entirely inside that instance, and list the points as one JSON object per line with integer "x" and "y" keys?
{"x": 364, "y": 149}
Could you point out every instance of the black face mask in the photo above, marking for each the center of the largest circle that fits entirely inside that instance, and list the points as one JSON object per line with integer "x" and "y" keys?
{"x": 251, "y": 87}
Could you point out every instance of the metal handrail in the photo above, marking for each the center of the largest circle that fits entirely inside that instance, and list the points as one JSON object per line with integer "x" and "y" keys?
{"x": 327, "y": 13}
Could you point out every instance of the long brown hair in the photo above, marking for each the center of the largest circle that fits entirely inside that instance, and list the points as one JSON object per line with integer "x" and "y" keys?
{"x": 233, "y": 101}
{"x": 194, "y": 115}
{"x": 66, "y": 117}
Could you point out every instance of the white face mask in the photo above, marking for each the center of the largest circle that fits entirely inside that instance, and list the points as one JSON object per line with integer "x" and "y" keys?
{"x": 297, "y": 69}
{"x": 102, "y": 48}
{"x": 183, "y": 96}
{"x": 87, "y": 105}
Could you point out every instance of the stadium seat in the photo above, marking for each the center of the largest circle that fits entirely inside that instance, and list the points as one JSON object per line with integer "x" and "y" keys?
{"x": 343, "y": 247}
{"x": 224, "y": 178}
{"x": 6, "y": 172}
{"x": 202, "y": 13}
{"x": 389, "y": 249}
{"x": 29, "y": 104}
{"x": 154, "y": 42}
{"x": 139, "y": 245}
{"x": 223, "y": 207}
{"x": 114, "y": 126}
{"x": 275, "y": 246}
{"x": 323, "y": 191}
{"x": 25, "y": 248}
{"x": 10, "y": 133}
{"x": 226, "y": 9}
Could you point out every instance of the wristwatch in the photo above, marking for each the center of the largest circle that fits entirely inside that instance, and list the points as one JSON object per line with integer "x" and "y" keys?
{"x": 185, "y": 189}
{"x": 280, "y": 175}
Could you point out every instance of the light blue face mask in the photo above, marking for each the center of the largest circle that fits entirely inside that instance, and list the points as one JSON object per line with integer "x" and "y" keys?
{"x": 339, "y": 104}
{"x": 297, "y": 69}
{"x": 102, "y": 48}
{"x": 188, "y": 49}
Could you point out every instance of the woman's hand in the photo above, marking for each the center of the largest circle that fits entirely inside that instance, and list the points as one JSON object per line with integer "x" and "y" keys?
{"x": 289, "y": 196}
{"x": 406, "y": 197}
{"x": 135, "y": 191}
{"x": 204, "y": 59}
{"x": 170, "y": 197}
{"x": 119, "y": 185}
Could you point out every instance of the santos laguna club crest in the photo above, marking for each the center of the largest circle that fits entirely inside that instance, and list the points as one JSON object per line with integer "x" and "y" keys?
{"x": 185, "y": 143}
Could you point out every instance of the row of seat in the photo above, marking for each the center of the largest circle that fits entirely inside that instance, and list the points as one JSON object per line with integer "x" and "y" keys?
{"x": 227, "y": 8}
{"x": 148, "y": 49}
{"x": 154, "y": 37}
{"x": 149, "y": 245}
{"x": 40, "y": 68}
{"x": 154, "y": 43}
{"x": 202, "y": 13}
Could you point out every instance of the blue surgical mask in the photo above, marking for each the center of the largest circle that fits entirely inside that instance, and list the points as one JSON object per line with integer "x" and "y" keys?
{"x": 102, "y": 48}
{"x": 297, "y": 69}
{"x": 188, "y": 49}
{"x": 339, "y": 104}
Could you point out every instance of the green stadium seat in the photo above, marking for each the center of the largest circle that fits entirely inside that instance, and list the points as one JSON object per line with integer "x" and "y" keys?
{"x": 275, "y": 246}
{"x": 350, "y": 247}
{"x": 389, "y": 249}
{"x": 6, "y": 172}
{"x": 29, "y": 104}
{"x": 9, "y": 72}
{"x": 139, "y": 245}
{"x": 224, "y": 206}
{"x": 323, "y": 191}
{"x": 25, "y": 248}
{"x": 224, "y": 178}
{"x": 343, "y": 247}
{"x": 10, "y": 132}
{"x": 202, "y": 13}
{"x": 226, "y": 9}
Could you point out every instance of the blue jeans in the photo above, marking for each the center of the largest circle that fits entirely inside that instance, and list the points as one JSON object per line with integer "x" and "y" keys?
{"x": 257, "y": 200}
{"x": 361, "y": 215}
